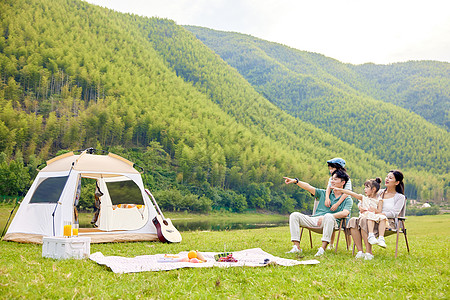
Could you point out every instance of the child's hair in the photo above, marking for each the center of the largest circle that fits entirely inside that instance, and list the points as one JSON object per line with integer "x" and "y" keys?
{"x": 337, "y": 163}
{"x": 373, "y": 183}
{"x": 336, "y": 166}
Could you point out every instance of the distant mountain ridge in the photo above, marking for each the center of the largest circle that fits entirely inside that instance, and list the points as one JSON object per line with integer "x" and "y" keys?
{"x": 337, "y": 98}
{"x": 404, "y": 84}
{"x": 419, "y": 86}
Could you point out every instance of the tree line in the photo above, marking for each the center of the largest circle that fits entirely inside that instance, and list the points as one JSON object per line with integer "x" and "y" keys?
{"x": 83, "y": 76}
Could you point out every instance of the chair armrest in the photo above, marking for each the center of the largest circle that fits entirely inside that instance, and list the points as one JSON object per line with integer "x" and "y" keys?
{"x": 397, "y": 218}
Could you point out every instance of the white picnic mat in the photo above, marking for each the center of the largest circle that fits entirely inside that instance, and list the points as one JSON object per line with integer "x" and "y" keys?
{"x": 250, "y": 258}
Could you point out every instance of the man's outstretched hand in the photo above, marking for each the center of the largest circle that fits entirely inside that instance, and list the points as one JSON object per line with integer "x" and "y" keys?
{"x": 288, "y": 180}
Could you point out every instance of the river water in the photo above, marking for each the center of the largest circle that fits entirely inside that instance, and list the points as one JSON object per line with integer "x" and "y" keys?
{"x": 185, "y": 225}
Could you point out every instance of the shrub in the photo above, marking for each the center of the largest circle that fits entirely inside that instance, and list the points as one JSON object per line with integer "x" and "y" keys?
{"x": 174, "y": 200}
{"x": 419, "y": 211}
{"x": 238, "y": 203}
{"x": 14, "y": 176}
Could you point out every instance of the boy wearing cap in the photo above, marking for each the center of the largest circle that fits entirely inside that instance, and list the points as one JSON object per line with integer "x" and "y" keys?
{"x": 324, "y": 217}
{"x": 334, "y": 164}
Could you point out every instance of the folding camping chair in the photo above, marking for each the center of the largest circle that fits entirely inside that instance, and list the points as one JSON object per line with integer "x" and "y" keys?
{"x": 342, "y": 227}
{"x": 399, "y": 229}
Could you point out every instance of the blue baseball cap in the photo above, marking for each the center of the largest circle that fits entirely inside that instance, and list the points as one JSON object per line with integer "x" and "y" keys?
{"x": 337, "y": 161}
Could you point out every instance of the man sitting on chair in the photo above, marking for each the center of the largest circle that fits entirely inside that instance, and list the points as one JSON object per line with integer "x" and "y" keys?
{"x": 323, "y": 217}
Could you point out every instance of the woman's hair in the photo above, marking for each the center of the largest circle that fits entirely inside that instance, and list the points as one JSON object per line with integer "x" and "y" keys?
{"x": 400, "y": 187}
{"x": 373, "y": 183}
{"x": 337, "y": 166}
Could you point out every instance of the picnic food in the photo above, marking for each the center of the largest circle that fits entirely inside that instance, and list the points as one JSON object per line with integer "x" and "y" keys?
{"x": 217, "y": 256}
{"x": 200, "y": 256}
{"x": 192, "y": 254}
{"x": 228, "y": 258}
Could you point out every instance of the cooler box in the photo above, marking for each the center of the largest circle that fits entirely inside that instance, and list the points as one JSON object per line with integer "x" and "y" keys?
{"x": 62, "y": 248}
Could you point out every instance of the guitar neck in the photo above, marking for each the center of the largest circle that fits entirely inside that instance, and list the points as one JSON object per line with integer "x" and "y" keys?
{"x": 154, "y": 202}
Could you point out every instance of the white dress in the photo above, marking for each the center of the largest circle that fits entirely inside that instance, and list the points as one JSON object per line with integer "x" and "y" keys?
{"x": 367, "y": 203}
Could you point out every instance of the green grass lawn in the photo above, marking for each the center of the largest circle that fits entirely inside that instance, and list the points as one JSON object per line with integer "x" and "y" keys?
{"x": 424, "y": 273}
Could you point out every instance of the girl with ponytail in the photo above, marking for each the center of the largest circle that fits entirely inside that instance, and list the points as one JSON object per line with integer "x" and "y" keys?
{"x": 370, "y": 207}
{"x": 393, "y": 200}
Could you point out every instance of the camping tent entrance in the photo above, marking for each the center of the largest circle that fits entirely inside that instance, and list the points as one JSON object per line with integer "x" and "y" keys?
{"x": 122, "y": 212}
{"x": 125, "y": 213}
{"x": 122, "y": 205}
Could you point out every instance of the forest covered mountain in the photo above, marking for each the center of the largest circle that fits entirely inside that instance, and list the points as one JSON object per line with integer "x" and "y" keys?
{"x": 422, "y": 87}
{"x": 348, "y": 101}
{"x": 74, "y": 75}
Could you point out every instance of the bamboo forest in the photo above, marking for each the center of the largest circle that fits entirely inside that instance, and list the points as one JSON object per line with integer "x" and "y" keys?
{"x": 215, "y": 119}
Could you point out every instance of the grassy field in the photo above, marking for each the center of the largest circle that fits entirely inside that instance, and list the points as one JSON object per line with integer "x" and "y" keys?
{"x": 424, "y": 273}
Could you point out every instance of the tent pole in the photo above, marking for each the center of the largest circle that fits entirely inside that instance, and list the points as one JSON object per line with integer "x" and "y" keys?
{"x": 57, "y": 202}
{"x": 12, "y": 211}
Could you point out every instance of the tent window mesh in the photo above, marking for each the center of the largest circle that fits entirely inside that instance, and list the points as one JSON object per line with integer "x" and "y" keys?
{"x": 124, "y": 192}
{"x": 49, "y": 190}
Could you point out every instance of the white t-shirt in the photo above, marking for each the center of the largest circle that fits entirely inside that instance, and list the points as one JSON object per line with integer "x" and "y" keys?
{"x": 392, "y": 206}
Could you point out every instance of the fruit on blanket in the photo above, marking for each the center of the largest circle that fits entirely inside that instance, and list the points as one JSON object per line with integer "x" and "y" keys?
{"x": 228, "y": 258}
{"x": 185, "y": 259}
{"x": 192, "y": 254}
{"x": 200, "y": 256}
{"x": 194, "y": 260}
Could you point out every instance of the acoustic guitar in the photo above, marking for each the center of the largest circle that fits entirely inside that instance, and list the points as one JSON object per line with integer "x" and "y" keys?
{"x": 167, "y": 233}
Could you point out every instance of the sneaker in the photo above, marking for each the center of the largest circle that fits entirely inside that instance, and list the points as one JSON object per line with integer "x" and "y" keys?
{"x": 330, "y": 247}
{"x": 320, "y": 252}
{"x": 360, "y": 254}
{"x": 381, "y": 242}
{"x": 368, "y": 256}
{"x": 373, "y": 240}
{"x": 295, "y": 250}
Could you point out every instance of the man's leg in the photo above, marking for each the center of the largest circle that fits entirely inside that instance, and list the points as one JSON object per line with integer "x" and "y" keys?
{"x": 296, "y": 220}
{"x": 332, "y": 240}
{"x": 328, "y": 222}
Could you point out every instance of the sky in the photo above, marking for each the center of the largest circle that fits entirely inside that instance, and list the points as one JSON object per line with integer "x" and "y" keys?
{"x": 351, "y": 31}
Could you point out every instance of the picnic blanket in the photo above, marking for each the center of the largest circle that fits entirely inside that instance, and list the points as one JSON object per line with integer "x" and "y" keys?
{"x": 251, "y": 258}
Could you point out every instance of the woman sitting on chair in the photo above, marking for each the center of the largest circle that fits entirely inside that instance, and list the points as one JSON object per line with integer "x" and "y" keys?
{"x": 393, "y": 201}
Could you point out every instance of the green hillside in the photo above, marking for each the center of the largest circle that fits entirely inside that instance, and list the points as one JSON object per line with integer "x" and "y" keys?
{"x": 420, "y": 86}
{"x": 341, "y": 98}
{"x": 74, "y": 75}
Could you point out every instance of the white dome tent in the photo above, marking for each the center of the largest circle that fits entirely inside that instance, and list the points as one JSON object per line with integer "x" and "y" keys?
{"x": 126, "y": 211}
